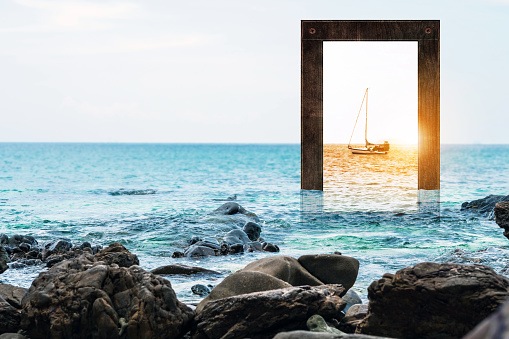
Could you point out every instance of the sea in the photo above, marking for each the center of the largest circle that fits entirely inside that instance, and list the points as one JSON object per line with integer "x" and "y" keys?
{"x": 153, "y": 198}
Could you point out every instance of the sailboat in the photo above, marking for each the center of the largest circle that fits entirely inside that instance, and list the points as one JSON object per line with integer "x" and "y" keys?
{"x": 369, "y": 147}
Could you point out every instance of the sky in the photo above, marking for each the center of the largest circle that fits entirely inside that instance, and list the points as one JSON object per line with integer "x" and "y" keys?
{"x": 224, "y": 71}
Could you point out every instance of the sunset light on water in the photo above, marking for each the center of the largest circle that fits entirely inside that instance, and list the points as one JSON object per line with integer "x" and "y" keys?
{"x": 370, "y": 182}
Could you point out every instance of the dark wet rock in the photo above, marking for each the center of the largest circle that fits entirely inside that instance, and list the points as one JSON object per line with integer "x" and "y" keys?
{"x": 253, "y": 246}
{"x": 178, "y": 254}
{"x": 28, "y": 239}
{"x": 236, "y": 237}
{"x": 269, "y": 247}
{"x": 200, "y": 251}
{"x": 4, "y": 239}
{"x": 96, "y": 249}
{"x": 10, "y": 307}
{"x": 231, "y": 208}
{"x": 351, "y": 298}
{"x": 235, "y": 249}
{"x": 353, "y": 318}
{"x": 242, "y": 282}
{"x": 182, "y": 270}
{"x": 132, "y": 192}
{"x": 332, "y": 268}
{"x": 502, "y": 216}
{"x": 59, "y": 246}
{"x": 431, "y": 300}
{"x": 208, "y": 243}
{"x": 4, "y": 259}
{"x": 116, "y": 253}
{"x": 320, "y": 335}
{"x": 194, "y": 240}
{"x": 253, "y": 230}
{"x": 85, "y": 244}
{"x": 24, "y": 247}
{"x": 85, "y": 298}
{"x": 263, "y": 314}
{"x": 285, "y": 268}
{"x": 484, "y": 206}
{"x": 200, "y": 290}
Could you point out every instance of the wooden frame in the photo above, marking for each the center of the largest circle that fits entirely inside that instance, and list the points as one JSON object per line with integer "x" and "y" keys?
{"x": 314, "y": 33}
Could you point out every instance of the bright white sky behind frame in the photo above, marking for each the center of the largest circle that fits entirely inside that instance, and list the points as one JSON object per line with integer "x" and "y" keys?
{"x": 220, "y": 71}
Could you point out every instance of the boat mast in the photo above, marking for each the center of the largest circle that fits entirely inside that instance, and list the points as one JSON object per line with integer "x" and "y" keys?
{"x": 366, "y": 128}
{"x": 357, "y": 119}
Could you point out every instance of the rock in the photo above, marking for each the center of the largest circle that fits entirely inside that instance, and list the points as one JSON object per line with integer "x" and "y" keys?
{"x": 4, "y": 239}
{"x": 85, "y": 244}
{"x": 431, "y": 300}
{"x": 268, "y": 247}
{"x": 242, "y": 282}
{"x": 285, "y": 268}
{"x": 502, "y": 216}
{"x": 208, "y": 243}
{"x": 235, "y": 248}
{"x": 321, "y": 335}
{"x": 183, "y": 270}
{"x": 200, "y": 290}
{"x": 353, "y": 318}
{"x": 4, "y": 259}
{"x": 59, "y": 246}
{"x": 316, "y": 323}
{"x": 12, "y": 336}
{"x": 263, "y": 314}
{"x": 351, "y": 298}
{"x": 15, "y": 240}
{"x": 231, "y": 208}
{"x": 24, "y": 247}
{"x": 116, "y": 253}
{"x": 178, "y": 254}
{"x": 85, "y": 298}
{"x": 253, "y": 246}
{"x": 253, "y": 230}
{"x": 332, "y": 268}
{"x": 236, "y": 237}
{"x": 10, "y": 307}
{"x": 485, "y": 205}
{"x": 194, "y": 240}
{"x": 200, "y": 251}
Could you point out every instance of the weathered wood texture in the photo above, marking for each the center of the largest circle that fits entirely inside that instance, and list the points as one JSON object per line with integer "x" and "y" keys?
{"x": 314, "y": 33}
{"x": 312, "y": 115}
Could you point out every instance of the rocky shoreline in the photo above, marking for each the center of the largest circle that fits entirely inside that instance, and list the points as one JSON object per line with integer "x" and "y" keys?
{"x": 94, "y": 292}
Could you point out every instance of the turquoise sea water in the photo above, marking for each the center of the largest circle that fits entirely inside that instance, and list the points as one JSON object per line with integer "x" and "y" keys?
{"x": 78, "y": 191}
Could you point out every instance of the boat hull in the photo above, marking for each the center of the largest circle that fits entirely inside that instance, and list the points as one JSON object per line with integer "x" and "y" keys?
{"x": 366, "y": 151}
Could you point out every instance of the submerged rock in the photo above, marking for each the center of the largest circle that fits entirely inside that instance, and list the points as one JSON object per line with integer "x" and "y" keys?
{"x": 182, "y": 269}
{"x": 263, "y": 314}
{"x": 484, "y": 206}
{"x": 236, "y": 237}
{"x": 85, "y": 298}
{"x": 123, "y": 191}
{"x": 502, "y": 216}
{"x": 431, "y": 300}
{"x": 231, "y": 208}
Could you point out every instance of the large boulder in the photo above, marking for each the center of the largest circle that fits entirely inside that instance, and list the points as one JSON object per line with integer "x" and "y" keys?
{"x": 86, "y": 298}
{"x": 116, "y": 253}
{"x": 242, "y": 282}
{"x": 485, "y": 205}
{"x": 236, "y": 237}
{"x": 493, "y": 327}
{"x": 4, "y": 259}
{"x": 431, "y": 300}
{"x": 285, "y": 268}
{"x": 332, "y": 268}
{"x": 502, "y": 216}
{"x": 10, "y": 307}
{"x": 263, "y": 314}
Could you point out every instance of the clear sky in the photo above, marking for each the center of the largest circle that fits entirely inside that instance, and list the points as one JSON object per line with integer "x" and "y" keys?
{"x": 220, "y": 71}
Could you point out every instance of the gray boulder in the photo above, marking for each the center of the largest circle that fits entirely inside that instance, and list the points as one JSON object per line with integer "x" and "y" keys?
{"x": 253, "y": 230}
{"x": 242, "y": 282}
{"x": 10, "y": 307}
{"x": 431, "y": 300}
{"x": 200, "y": 251}
{"x": 351, "y": 298}
{"x": 332, "y": 268}
{"x": 263, "y": 314}
{"x": 236, "y": 237}
{"x": 232, "y": 208}
{"x": 285, "y": 268}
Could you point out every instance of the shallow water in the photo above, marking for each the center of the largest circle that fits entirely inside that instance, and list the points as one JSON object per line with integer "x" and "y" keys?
{"x": 154, "y": 198}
